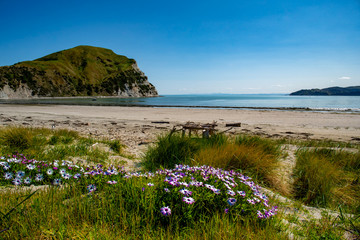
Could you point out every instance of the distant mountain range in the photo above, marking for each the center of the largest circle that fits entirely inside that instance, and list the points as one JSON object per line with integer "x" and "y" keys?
{"x": 332, "y": 91}
{"x": 79, "y": 71}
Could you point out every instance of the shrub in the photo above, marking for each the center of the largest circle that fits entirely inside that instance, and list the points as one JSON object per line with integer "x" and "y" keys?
{"x": 169, "y": 150}
{"x": 116, "y": 146}
{"x": 66, "y": 133}
{"x": 250, "y": 160}
{"x": 54, "y": 140}
{"x": 17, "y": 138}
{"x": 265, "y": 145}
{"x": 316, "y": 179}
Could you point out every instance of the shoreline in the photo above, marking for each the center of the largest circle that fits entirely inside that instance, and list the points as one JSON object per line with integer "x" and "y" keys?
{"x": 300, "y": 109}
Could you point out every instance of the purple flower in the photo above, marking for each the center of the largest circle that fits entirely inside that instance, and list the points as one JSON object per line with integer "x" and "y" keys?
{"x": 17, "y": 181}
{"x": 241, "y": 193}
{"x": 188, "y": 200}
{"x": 185, "y": 192}
{"x": 226, "y": 210}
{"x": 31, "y": 166}
{"x": 77, "y": 176}
{"x": 49, "y": 171}
{"x": 260, "y": 215}
{"x": 6, "y": 166}
{"x": 39, "y": 177}
{"x": 8, "y": 176}
{"x": 150, "y": 184}
{"x": 57, "y": 181}
{"x": 20, "y": 174}
{"x": 166, "y": 190}
{"x": 27, "y": 180}
{"x": 166, "y": 211}
{"x": 231, "y": 193}
{"x": 216, "y": 191}
{"x": 231, "y": 201}
{"x": 112, "y": 182}
{"x": 66, "y": 176}
{"x": 251, "y": 201}
{"x": 91, "y": 188}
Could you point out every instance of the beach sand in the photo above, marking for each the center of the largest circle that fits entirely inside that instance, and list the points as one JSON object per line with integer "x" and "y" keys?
{"x": 135, "y": 126}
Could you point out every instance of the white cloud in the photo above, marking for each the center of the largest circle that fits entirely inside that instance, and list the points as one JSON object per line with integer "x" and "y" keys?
{"x": 344, "y": 78}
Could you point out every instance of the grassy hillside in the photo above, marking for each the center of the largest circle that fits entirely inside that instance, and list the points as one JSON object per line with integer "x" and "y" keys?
{"x": 332, "y": 91}
{"x": 79, "y": 71}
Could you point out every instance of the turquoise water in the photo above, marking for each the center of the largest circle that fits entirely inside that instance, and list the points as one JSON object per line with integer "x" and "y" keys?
{"x": 251, "y": 101}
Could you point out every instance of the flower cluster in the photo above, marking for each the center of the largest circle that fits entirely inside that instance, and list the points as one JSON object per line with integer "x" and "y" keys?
{"x": 180, "y": 188}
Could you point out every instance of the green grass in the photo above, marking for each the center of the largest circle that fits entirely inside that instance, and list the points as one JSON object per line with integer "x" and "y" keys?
{"x": 130, "y": 209}
{"x": 169, "y": 150}
{"x": 19, "y": 138}
{"x": 322, "y": 177}
{"x": 250, "y": 160}
{"x": 254, "y": 156}
{"x": 60, "y": 144}
{"x": 328, "y": 178}
{"x": 124, "y": 211}
{"x": 323, "y": 143}
{"x": 67, "y": 214}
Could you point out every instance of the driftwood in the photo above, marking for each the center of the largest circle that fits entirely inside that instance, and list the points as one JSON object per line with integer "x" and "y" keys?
{"x": 161, "y": 122}
{"x": 207, "y": 129}
{"x": 233, "y": 125}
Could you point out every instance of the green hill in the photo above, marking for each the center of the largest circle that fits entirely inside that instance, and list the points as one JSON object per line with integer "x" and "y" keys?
{"x": 79, "y": 71}
{"x": 332, "y": 91}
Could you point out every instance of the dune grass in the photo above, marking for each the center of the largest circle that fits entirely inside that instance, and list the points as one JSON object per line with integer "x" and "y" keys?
{"x": 254, "y": 156}
{"x": 169, "y": 150}
{"x": 61, "y": 144}
{"x": 328, "y": 178}
{"x": 248, "y": 159}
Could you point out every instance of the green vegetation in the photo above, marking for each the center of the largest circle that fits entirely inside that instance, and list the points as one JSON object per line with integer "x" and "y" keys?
{"x": 169, "y": 150}
{"x": 79, "y": 200}
{"x": 61, "y": 144}
{"x": 332, "y": 91}
{"x": 325, "y": 175}
{"x": 121, "y": 212}
{"x": 328, "y": 178}
{"x": 254, "y": 156}
{"x": 250, "y": 160}
{"x": 79, "y": 71}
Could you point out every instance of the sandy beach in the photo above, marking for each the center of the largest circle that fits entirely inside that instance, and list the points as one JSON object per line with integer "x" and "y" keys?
{"x": 139, "y": 126}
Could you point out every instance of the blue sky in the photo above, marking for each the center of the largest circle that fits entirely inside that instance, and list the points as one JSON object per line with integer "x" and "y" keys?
{"x": 199, "y": 46}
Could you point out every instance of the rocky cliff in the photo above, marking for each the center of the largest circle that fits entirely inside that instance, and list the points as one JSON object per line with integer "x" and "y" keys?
{"x": 79, "y": 71}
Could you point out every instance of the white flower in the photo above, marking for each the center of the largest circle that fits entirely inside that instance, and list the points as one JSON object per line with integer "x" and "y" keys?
{"x": 27, "y": 180}
{"x": 31, "y": 166}
{"x": 39, "y": 177}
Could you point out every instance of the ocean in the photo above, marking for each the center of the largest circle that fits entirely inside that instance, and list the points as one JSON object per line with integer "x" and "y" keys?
{"x": 246, "y": 101}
